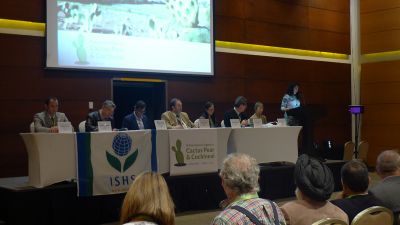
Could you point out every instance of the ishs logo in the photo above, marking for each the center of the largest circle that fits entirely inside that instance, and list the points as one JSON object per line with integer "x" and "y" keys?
{"x": 178, "y": 153}
{"x": 122, "y": 145}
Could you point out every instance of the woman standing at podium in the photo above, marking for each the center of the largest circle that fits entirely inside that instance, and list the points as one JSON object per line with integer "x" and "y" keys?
{"x": 291, "y": 100}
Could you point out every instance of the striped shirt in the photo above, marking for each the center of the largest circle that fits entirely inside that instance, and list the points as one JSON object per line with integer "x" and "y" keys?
{"x": 259, "y": 207}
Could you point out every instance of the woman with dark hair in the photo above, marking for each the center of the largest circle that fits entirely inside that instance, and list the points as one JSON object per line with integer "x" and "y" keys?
{"x": 290, "y": 101}
{"x": 209, "y": 114}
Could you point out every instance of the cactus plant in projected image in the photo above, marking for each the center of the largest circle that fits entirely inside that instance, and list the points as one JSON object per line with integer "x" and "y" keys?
{"x": 81, "y": 53}
{"x": 180, "y": 158}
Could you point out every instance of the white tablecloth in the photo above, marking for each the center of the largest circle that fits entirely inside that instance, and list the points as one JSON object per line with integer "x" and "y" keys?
{"x": 272, "y": 144}
{"x": 52, "y": 157}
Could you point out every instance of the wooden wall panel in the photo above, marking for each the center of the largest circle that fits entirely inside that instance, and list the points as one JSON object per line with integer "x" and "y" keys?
{"x": 32, "y": 10}
{"x": 380, "y": 85}
{"x": 380, "y": 26}
{"x": 277, "y": 12}
{"x": 321, "y": 19}
{"x": 230, "y": 8}
{"x": 368, "y": 6}
{"x": 380, "y": 21}
{"x": 380, "y": 82}
{"x": 383, "y": 41}
{"x": 25, "y": 83}
{"x": 333, "y": 5}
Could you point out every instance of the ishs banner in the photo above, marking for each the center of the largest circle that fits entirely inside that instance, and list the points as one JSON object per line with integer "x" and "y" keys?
{"x": 109, "y": 162}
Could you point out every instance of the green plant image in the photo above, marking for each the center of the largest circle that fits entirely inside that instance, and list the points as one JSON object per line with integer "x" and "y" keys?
{"x": 178, "y": 153}
{"x": 116, "y": 163}
{"x": 81, "y": 53}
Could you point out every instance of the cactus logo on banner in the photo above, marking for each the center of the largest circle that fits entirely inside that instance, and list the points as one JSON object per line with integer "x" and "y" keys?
{"x": 193, "y": 151}
{"x": 122, "y": 145}
{"x": 178, "y": 153}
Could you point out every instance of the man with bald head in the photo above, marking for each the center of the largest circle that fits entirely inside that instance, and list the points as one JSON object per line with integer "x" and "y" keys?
{"x": 388, "y": 190}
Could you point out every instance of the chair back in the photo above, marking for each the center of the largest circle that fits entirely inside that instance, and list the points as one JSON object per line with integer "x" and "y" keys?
{"x": 32, "y": 127}
{"x": 363, "y": 150}
{"x": 330, "y": 221}
{"x": 82, "y": 126}
{"x": 373, "y": 216}
{"x": 222, "y": 123}
{"x": 348, "y": 151}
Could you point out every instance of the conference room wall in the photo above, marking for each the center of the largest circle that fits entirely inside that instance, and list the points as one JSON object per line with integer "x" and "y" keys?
{"x": 326, "y": 86}
{"x": 380, "y": 82}
{"x": 380, "y": 93}
{"x": 380, "y": 26}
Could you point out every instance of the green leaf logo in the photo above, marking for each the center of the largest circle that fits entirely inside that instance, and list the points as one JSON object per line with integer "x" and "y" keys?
{"x": 113, "y": 161}
{"x": 122, "y": 145}
{"x": 130, "y": 160}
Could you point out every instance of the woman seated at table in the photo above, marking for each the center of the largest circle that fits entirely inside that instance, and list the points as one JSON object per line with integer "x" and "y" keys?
{"x": 258, "y": 112}
{"x": 148, "y": 202}
{"x": 208, "y": 114}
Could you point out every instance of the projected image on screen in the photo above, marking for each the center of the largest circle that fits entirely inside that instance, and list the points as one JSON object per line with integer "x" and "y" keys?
{"x": 172, "y": 36}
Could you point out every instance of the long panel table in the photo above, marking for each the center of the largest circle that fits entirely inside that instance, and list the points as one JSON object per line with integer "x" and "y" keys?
{"x": 52, "y": 157}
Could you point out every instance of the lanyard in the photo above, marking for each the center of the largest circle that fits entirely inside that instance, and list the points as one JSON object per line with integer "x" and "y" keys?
{"x": 352, "y": 196}
{"x": 244, "y": 197}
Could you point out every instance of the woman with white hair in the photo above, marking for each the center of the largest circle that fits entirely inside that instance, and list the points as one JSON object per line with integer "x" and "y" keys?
{"x": 239, "y": 175}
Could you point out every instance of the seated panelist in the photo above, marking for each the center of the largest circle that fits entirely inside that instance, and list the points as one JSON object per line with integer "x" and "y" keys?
{"x": 104, "y": 114}
{"x": 209, "y": 113}
{"x": 258, "y": 112}
{"x": 175, "y": 118}
{"x": 47, "y": 120}
{"x": 137, "y": 120}
{"x": 237, "y": 112}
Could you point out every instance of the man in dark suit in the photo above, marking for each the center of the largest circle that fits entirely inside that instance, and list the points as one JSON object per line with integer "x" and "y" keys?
{"x": 104, "y": 114}
{"x": 355, "y": 197}
{"x": 137, "y": 120}
{"x": 388, "y": 190}
{"x": 237, "y": 112}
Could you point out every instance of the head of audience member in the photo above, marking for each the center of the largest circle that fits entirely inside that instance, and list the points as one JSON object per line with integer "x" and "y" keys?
{"x": 355, "y": 178}
{"x": 239, "y": 175}
{"x": 258, "y": 108}
{"x": 240, "y": 104}
{"x": 148, "y": 198}
{"x": 209, "y": 109}
{"x": 107, "y": 109}
{"x": 175, "y": 105}
{"x": 388, "y": 164}
{"x": 314, "y": 180}
{"x": 293, "y": 89}
{"x": 51, "y": 105}
{"x": 140, "y": 108}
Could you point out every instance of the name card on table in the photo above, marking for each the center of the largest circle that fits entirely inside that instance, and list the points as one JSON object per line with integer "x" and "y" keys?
{"x": 104, "y": 126}
{"x": 281, "y": 122}
{"x": 64, "y": 127}
{"x": 235, "y": 123}
{"x": 257, "y": 123}
{"x": 204, "y": 123}
{"x": 160, "y": 124}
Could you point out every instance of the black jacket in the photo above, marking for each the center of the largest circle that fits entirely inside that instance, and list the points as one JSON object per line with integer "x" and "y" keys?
{"x": 354, "y": 205}
{"x": 93, "y": 118}
{"x": 130, "y": 122}
{"x": 231, "y": 114}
